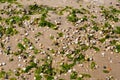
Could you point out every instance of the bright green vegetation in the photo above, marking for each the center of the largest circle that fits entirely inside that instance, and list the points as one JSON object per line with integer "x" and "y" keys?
{"x": 106, "y": 71}
{"x": 72, "y": 17}
{"x": 96, "y": 28}
{"x": 86, "y": 27}
{"x": 21, "y": 47}
{"x": 65, "y": 67}
{"x": 25, "y": 17}
{"x": 9, "y": 1}
{"x": 65, "y": 9}
{"x": 38, "y": 34}
{"x": 7, "y": 31}
{"x": 86, "y": 75}
{"x": 102, "y": 40}
{"x": 51, "y": 37}
{"x": 73, "y": 75}
{"x": 117, "y": 48}
{"x": 107, "y": 25}
{"x": 44, "y": 23}
{"x": 84, "y": 47}
{"x": 111, "y": 13}
{"x": 10, "y": 31}
{"x": 2, "y": 74}
{"x": 1, "y": 31}
{"x": 113, "y": 42}
{"x": 13, "y": 20}
{"x": 34, "y": 9}
{"x": 116, "y": 44}
{"x": 95, "y": 48}
{"x": 84, "y": 18}
{"x": 43, "y": 10}
{"x": 92, "y": 65}
{"x": 117, "y": 30}
{"x": 46, "y": 69}
{"x": 16, "y": 19}
{"x": 76, "y": 57}
{"x": 93, "y": 16}
{"x": 29, "y": 44}
{"x": 60, "y": 34}
{"x": 13, "y": 78}
{"x": 2, "y": 45}
{"x": 29, "y": 67}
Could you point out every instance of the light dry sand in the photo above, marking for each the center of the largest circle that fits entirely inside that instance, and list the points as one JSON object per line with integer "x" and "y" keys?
{"x": 110, "y": 59}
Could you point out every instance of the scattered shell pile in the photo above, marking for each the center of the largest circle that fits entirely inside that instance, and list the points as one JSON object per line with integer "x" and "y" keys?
{"x": 44, "y": 42}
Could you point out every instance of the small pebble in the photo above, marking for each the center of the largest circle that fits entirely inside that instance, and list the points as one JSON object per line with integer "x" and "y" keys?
{"x": 103, "y": 54}
{"x": 31, "y": 47}
{"x": 80, "y": 76}
{"x": 19, "y": 65}
{"x": 70, "y": 71}
{"x": 81, "y": 65}
{"x": 3, "y": 63}
{"x": 0, "y": 64}
{"x": 26, "y": 34}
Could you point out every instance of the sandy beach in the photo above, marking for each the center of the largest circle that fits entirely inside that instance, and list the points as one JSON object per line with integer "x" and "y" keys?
{"x": 59, "y": 39}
